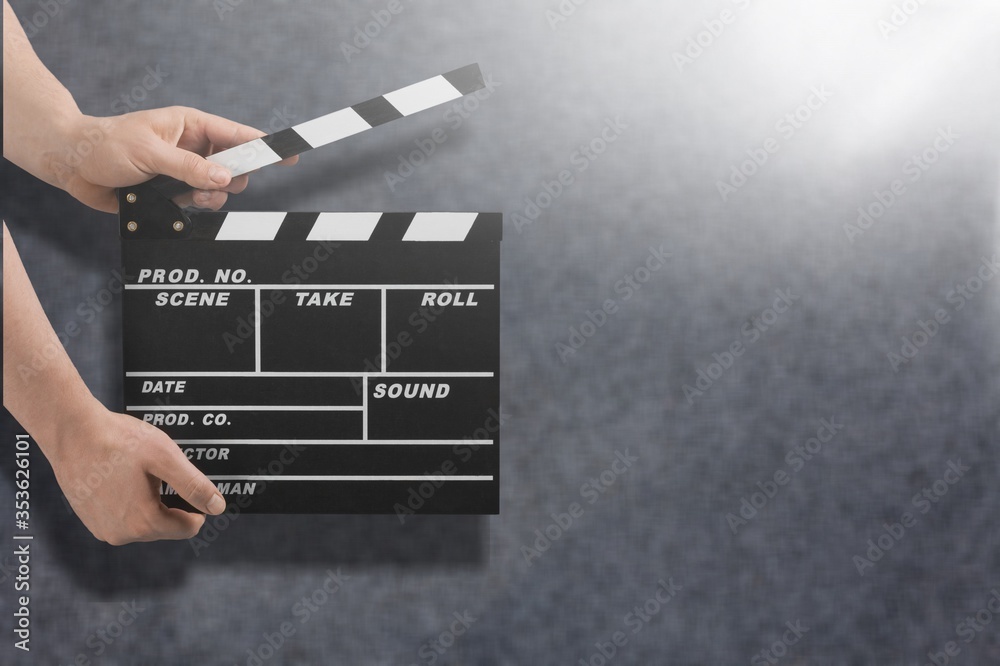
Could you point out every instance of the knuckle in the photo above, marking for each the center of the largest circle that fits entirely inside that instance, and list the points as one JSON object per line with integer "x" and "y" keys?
{"x": 194, "y": 165}
{"x": 194, "y": 489}
{"x": 238, "y": 184}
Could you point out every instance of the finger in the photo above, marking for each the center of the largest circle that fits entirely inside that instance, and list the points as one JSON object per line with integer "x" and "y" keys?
{"x": 190, "y": 167}
{"x": 175, "y": 524}
{"x": 237, "y": 184}
{"x": 211, "y": 199}
{"x": 221, "y": 132}
{"x": 97, "y": 197}
{"x": 174, "y": 468}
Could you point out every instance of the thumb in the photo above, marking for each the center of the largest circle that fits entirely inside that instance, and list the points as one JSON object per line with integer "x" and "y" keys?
{"x": 175, "y": 469}
{"x": 190, "y": 167}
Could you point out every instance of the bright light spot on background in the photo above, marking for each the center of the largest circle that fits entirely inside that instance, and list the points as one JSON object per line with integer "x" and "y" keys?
{"x": 889, "y": 62}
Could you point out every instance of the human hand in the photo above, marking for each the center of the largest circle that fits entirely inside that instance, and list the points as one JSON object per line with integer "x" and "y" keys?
{"x": 102, "y": 154}
{"x": 110, "y": 466}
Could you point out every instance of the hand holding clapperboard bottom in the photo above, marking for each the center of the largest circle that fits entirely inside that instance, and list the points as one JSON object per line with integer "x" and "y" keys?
{"x": 343, "y": 362}
{"x": 43, "y": 391}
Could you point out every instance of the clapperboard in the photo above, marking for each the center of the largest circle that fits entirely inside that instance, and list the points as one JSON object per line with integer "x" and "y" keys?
{"x": 339, "y": 362}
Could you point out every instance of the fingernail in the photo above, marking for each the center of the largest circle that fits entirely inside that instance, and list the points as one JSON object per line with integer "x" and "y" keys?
{"x": 202, "y": 197}
{"x": 219, "y": 175}
{"x": 216, "y": 505}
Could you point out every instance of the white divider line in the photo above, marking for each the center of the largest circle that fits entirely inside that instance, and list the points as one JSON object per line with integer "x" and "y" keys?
{"x": 385, "y": 324}
{"x": 410, "y": 477}
{"x": 318, "y": 287}
{"x": 387, "y": 375}
{"x": 243, "y": 408}
{"x": 256, "y": 344}
{"x": 364, "y": 406}
{"x": 335, "y": 442}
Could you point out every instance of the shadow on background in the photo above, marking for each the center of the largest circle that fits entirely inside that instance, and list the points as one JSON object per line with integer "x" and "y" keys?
{"x": 283, "y": 540}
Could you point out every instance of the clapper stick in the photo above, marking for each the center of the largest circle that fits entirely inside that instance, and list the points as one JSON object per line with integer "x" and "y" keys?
{"x": 319, "y": 362}
{"x": 338, "y": 125}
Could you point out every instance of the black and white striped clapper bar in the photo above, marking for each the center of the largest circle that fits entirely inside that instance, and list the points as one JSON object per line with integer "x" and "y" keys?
{"x": 320, "y": 362}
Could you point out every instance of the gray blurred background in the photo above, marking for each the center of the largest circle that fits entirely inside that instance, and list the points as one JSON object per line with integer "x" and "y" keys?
{"x": 684, "y": 126}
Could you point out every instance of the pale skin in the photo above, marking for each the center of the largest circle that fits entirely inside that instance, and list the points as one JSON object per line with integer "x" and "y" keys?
{"x": 108, "y": 465}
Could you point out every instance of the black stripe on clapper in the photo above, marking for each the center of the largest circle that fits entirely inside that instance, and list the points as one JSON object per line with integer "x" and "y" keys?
{"x": 466, "y": 79}
{"x": 487, "y": 227}
{"x": 206, "y": 225}
{"x": 377, "y": 111}
{"x": 286, "y": 143}
{"x": 392, "y": 226}
{"x": 296, "y": 226}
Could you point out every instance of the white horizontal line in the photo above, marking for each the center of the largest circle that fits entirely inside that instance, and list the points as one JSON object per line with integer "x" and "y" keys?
{"x": 336, "y": 442}
{"x": 387, "y": 375}
{"x": 244, "y": 408}
{"x": 418, "y": 477}
{"x": 317, "y": 287}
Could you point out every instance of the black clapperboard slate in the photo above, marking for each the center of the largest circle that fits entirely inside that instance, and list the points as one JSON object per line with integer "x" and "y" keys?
{"x": 319, "y": 362}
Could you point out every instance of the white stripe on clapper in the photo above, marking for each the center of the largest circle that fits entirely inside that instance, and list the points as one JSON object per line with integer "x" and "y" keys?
{"x": 344, "y": 226}
{"x": 423, "y": 95}
{"x": 332, "y": 127}
{"x": 250, "y": 226}
{"x": 245, "y": 157}
{"x": 440, "y": 226}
